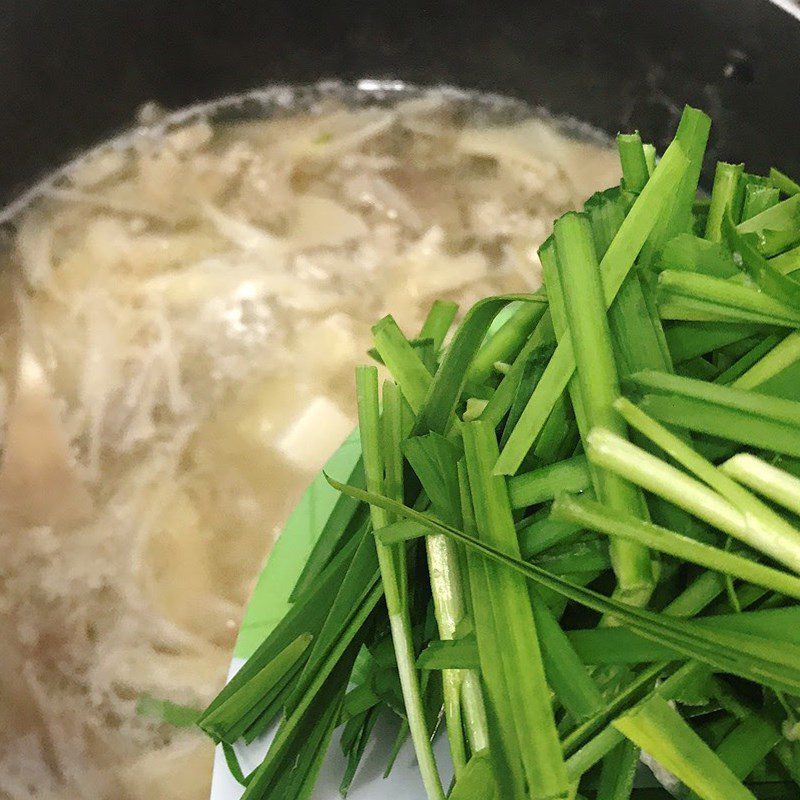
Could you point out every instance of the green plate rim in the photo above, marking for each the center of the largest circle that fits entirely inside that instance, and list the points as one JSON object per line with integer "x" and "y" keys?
{"x": 270, "y": 599}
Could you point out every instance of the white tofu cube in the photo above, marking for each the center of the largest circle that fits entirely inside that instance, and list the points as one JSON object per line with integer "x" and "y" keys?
{"x": 315, "y": 434}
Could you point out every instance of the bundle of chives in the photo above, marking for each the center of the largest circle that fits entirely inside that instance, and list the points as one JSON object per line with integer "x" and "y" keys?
{"x": 492, "y": 559}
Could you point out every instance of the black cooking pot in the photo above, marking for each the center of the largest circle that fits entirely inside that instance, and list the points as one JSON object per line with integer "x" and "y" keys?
{"x": 72, "y": 72}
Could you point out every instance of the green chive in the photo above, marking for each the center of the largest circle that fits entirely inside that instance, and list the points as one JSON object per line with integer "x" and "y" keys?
{"x": 768, "y": 480}
{"x": 780, "y": 356}
{"x": 403, "y": 362}
{"x": 531, "y": 488}
{"x": 614, "y": 268}
{"x": 777, "y": 228}
{"x": 783, "y": 182}
{"x": 539, "y": 747}
{"x": 504, "y": 746}
{"x": 650, "y": 156}
{"x": 599, "y": 384}
{"x": 725, "y": 197}
{"x": 689, "y": 253}
{"x": 434, "y": 460}
{"x": 737, "y": 513}
{"x": 701, "y": 297}
{"x": 635, "y": 172}
{"x": 738, "y": 414}
{"x": 506, "y": 393}
{"x": 507, "y": 342}
{"x": 438, "y": 322}
{"x": 687, "y": 340}
{"x": 762, "y": 273}
{"x": 751, "y": 657}
{"x": 659, "y": 730}
{"x": 734, "y": 374}
{"x": 393, "y": 582}
{"x": 593, "y": 515}
{"x": 788, "y": 262}
{"x": 758, "y": 198}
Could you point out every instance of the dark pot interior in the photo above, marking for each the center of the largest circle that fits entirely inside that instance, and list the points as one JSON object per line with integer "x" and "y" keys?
{"x": 72, "y": 72}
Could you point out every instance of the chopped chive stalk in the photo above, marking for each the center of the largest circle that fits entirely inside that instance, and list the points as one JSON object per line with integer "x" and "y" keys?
{"x": 738, "y": 514}
{"x": 650, "y": 156}
{"x": 725, "y": 197}
{"x": 228, "y": 721}
{"x": 788, "y": 262}
{"x": 433, "y": 458}
{"x": 394, "y": 583}
{"x": 507, "y": 342}
{"x": 504, "y": 396}
{"x": 308, "y": 615}
{"x": 440, "y": 554}
{"x": 539, "y": 746}
{"x": 586, "y": 746}
{"x": 750, "y": 657}
{"x": 658, "y": 477}
{"x": 659, "y": 730}
{"x": 572, "y": 684}
{"x": 618, "y": 772}
{"x": 758, "y": 198}
{"x": 748, "y": 744}
{"x": 734, "y": 373}
{"x": 542, "y": 533}
{"x": 776, "y": 409}
{"x": 689, "y": 253}
{"x": 591, "y": 514}
{"x": 323, "y": 694}
{"x": 675, "y": 305}
{"x": 599, "y": 385}
{"x": 606, "y": 212}
{"x": 614, "y": 268}
{"x": 763, "y": 274}
{"x": 636, "y": 331}
{"x": 531, "y": 375}
{"x": 688, "y": 340}
{"x": 707, "y": 298}
{"x": 594, "y": 751}
{"x": 768, "y": 480}
{"x": 727, "y": 423}
{"x": 696, "y": 596}
{"x": 391, "y": 439}
{"x": 504, "y": 740}
{"x": 531, "y": 488}
{"x": 478, "y": 780}
{"x": 620, "y": 646}
{"x": 474, "y": 711}
{"x": 445, "y": 391}
{"x": 692, "y": 133}
{"x": 438, "y": 322}
{"x": 737, "y": 414}
{"x": 781, "y": 356}
{"x": 699, "y": 368}
{"x": 403, "y": 362}
{"x": 635, "y": 172}
{"x": 776, "y": 228}
{"x": 783, "y": 182}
